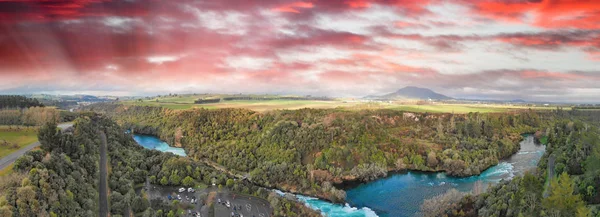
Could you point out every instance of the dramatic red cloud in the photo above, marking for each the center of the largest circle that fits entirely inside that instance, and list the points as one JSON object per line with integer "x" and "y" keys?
{"x": 411, "y": 8}
{"x": 46, "y": 11}
{"x": 337, "y": 47}
{"x": 587, "y": 41}
{"x": 404, "y": 24}
{"x": 594, "y": 55}
{"x": 358, "y": 3}
{"x": 583, "y": 14}
{"x": 293, "y": 7}
{"x": 550, "y": 75}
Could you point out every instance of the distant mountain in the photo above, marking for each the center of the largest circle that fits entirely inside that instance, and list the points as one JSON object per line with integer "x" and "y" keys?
{"x": 411, "y": 92}
{"x": 518, "y": 101}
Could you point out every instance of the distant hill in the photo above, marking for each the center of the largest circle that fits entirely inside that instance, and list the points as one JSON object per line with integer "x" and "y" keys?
{"x": 411, "y": 92}
{"x": 518, "y": 101}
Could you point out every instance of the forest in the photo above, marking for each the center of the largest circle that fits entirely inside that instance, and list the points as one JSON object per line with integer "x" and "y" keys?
{"x": 17, "y": 102}
{"x": 61, "y": 179}
{"x": 32, "y": 116}
{"x": 19, "y": 110}
{"x": 566, "y": 181}
{"x": 309, "y": 151}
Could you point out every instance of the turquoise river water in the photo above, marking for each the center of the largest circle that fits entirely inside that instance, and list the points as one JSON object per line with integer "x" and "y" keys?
{"x": 399, "y": 195}
{"x": 152, "y": 142}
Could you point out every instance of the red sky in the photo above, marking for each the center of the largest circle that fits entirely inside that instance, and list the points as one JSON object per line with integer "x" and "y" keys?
{"x": 545, "y": 50}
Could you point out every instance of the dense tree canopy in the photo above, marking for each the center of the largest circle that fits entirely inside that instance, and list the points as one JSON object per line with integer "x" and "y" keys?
{"x": 567, "y": 178}
{"x": 61, "y": 178}
{"x": 16, "y": 102}
{"x": 298, "y": 150}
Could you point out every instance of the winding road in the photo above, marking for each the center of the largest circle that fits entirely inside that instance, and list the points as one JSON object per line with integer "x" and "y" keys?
{"x": 9, "y": 159}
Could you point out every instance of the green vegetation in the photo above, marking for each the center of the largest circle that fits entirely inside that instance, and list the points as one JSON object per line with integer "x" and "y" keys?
{"x": 249, "y": 104}
{"x": 263, "y": 103}
{"x": 61, "y": 178}
{"x": 450, "y": 108}
{"x": 13, "y": 139}
{"x": 564, "y": 184}
{"x": 33, "y": 116}
{"x": 308, "y": 150}
{"x": 17, "y": 102}
{"x": 6, "y": 171}
{"x": 168, "y": 105}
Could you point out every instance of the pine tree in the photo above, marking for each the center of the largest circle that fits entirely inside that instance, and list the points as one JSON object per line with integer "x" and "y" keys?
{"x": 561, "y": 197}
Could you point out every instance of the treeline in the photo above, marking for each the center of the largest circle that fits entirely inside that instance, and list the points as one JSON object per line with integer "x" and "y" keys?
{"x": 275, "y": 98}
{"x": 20, "y": 110}
{"x": 205, "y": 101}
{"x": 589, "y": 106}
{"x": 306, "y": 150}
{"x": 233, "y": 98}
{"x": 16, "y": 102}
{"x": 565, "y": 183}
{"x": 32, "y": 116}
{"x": 60, "y": 103}
{"x": 61, "y": 178}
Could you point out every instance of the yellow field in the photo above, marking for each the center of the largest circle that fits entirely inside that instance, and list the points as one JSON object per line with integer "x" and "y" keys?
{"x": 187, "y": 102}
{"x": 279, "y": 104}
{"x": 175, "y": 106}
{"x": 22, "y": 137}
{"x": 460, "y": 108}
{"x": 7, "y": 171}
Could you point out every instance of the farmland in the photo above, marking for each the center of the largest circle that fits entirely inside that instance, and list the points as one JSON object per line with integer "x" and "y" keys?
{"x": 22, "y": 137}
{"x": 270, "y": 103}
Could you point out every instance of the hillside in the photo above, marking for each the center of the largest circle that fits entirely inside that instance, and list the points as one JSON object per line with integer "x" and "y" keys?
{"x": 306, "y": 150}
{"x": 411, "y": 92}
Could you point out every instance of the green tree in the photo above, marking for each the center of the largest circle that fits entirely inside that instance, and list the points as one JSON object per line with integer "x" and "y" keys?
{"x": 171, "y": 214}
{"x": 49, "y": 136}
{"x": 175, "y": 179}
{"x": 229, "y": 183}
{"x": 561, "y": 197}
{"x": 188, "y": 181}
{"x": 164, "y": 180}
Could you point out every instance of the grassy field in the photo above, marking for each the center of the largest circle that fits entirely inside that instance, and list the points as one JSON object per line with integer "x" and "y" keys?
{"x": 22, "y": 137}
{"x": 255, "y": 105}
{"x": 7, "y": 171}
{"x": 458, "y": 109}
{"x": 176, "y": 106}
{"x": 278, "y": 104}
{"x": 187, "y": 102}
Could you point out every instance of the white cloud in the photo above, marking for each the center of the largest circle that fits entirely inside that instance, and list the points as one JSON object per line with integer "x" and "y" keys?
{"x": 119, "y": 22}
{"x": 358, "y": 22}
{"x": 112, "y": 67}
{"x": 161, "y": 59}
{"x": 312, "y": 55}
{"x": 249, "y": 63}
{"x": 227, "y": 22}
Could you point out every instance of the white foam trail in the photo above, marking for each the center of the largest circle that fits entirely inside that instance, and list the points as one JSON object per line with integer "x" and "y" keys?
{"x": 331, "y": 209}
{"x": 503, "y": 168}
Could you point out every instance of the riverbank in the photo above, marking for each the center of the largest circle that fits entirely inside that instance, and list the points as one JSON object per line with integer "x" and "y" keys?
{"x": 351, "y": 182}
{"x": 411, "y": 188}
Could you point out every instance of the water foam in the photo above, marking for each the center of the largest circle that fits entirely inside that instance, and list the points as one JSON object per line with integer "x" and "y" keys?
{"x": 331, "y": 209}
{"x": 502, "y": 169}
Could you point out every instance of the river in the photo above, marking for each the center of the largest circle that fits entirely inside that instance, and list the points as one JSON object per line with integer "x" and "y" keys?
{"x": 401, "y": 195}
{"x": 152, "y": 142}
